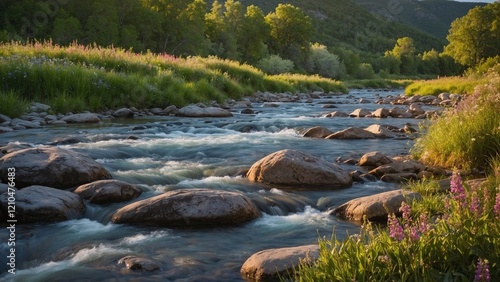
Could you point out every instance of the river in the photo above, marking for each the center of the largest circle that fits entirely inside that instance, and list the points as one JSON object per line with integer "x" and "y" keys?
{"x": 168, "y": 153}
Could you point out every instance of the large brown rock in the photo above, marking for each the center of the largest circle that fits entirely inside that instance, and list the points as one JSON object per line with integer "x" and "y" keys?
{"x": 380, "y": 113}
{"x": 295, "y": 168}
{"x": 351, "y": 133}
{"x": 380, "y": 131}
{"x": 196, "y": 111}
{"x": 189, "y": 207}
{"x": 52, "y": 167}
{"x": 360, "y": 113}
{"x": 375, "y": 207}
{"x": 45, "y": 204}
{"x": 108, "y": 191}
{"x": 317, "y": 132}
{"x": 398, "y": 166}
{"x": 273, "y": 263}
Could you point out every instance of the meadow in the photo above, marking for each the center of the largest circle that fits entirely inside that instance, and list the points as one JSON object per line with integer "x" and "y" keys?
{"x": 79, "y": 78}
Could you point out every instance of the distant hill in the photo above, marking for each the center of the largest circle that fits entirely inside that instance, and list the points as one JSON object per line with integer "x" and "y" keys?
{"x": 343, "y": 23}
{"x": 433, "y": 17}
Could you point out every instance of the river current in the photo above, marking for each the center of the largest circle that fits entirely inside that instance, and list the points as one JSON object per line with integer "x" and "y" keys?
{"x": 168, "y": 153}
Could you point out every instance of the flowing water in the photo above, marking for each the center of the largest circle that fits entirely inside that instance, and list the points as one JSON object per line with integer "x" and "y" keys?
{"x": 169, "y": 153}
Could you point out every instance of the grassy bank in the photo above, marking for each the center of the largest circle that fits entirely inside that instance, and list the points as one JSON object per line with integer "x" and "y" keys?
{"x": 377, "y": 83}
{"x": 456, "y": 85}
{"x": 78, "y": 78}
{"x": 447, "y": 236}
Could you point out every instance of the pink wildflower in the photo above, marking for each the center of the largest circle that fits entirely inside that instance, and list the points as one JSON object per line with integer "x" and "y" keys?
{"x": 496, "y": 208}
{"x": 395, "y": 229}
{"x": 482, "y": 271}
{"x": 457, "y": 189}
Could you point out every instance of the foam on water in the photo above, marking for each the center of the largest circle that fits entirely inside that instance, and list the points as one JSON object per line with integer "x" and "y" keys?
{"x": 309, "y": 216}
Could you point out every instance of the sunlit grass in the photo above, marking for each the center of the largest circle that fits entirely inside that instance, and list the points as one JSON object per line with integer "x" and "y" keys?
{"x": 456, "y": 85}
{"x": 78, "y": 77}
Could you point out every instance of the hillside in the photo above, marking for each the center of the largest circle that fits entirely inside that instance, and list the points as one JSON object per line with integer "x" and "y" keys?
{"x": 433, "y": 17}
{"x": 344, "y": 23}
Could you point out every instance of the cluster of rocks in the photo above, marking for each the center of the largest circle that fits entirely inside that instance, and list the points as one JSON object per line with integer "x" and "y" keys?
{"x": 371, "y": 132}
{"x": 444, "y": 99}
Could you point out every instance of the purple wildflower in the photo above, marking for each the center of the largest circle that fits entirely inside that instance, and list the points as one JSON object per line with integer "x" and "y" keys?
{"x": 496, "y": 208}
{"x": 457, "y": 189}
{"x": 424, "y": 225}
{"x": 406, "y": 210}
{"x": 395, "y": 229}
{"x": 482, "y": 271}
{"x": 414, "y": 234}
{"x": 475, "y": 205}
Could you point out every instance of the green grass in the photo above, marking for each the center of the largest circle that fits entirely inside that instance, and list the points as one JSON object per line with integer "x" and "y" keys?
{"x": 467, "y": 136}
{"x": 456, "y": 85}
{"x": 12, "y": 104}
{"x": 376, "y": 83}
{"x": 77, "y": 78}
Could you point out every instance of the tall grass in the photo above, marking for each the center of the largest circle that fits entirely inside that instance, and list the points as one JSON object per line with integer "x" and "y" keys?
{"x": 457, "y": 85}
{"x": 78, "y": 77}
{"x": 467, "y": 136}
{"x": 12, "y": 104}
{"x": 459, "y": 242}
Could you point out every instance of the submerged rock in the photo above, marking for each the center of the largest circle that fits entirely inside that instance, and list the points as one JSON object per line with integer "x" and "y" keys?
{"x": 45, "y": 204}
{"x": 189, "y": 207}
{"x": 295, "y": 168}
{"x": 51, "y": 166}
{"x": 375, "y": 207}
{"x": 138, "y": 263}
{"x": 108, "y": 191}
{"x": 273, "y": 263}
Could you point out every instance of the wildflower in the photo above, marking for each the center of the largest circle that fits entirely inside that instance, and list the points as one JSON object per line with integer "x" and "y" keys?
{"x": 383, "y": 259}
{"x": 457, "y": 189}
{"x": 496, "y": 208}
{"x": 475, "y": 205}
{"x": 395, "y": 229}
{"x": 406, "y": 210}
{"x": 482, "y": 271}
{"x": 414, "y": 234}
{"x": 424, "y": 225}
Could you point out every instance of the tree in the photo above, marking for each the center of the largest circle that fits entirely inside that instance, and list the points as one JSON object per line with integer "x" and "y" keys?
{"x": 322, "y": 62}
{"x": 102, "y": 25}
{"x": 476, "y": 36}
{"x": 66, "y": 28}
{"x": 404, "y": 50}
{"x": 252, "y": 35}
{"x": 191, "y": 36}
{"x": 291, "y": 30}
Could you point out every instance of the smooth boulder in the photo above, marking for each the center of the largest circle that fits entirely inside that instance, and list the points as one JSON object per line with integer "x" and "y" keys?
{"x": 81, "y": 118}
{"x": 380, "y": 131}
{"x": 52, "y": 167}
{"x": 295, "y": 168}
{"x": 196, "y": 111}
{"x": 376, "y": 207}
{"x": 351, "y": 133}
{"x": 45, "y": 204}
{"x": 275, "y": 263}
{"x": 108, "y": 191}
{"x": 317, "y": 132}
{"x": 187, "y": 207}
{"x": 374, "y": 159}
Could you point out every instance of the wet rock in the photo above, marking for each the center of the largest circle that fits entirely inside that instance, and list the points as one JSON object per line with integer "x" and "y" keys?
{"x": 39, "y": 107}
{"x": 138, "y": 263}
{"x": 397, "y": 112}
{"x": 374, "y": 159}
{"x": 14, "y": 146}
{"x": 187, "y": 207}
{"x": 329, "y": 106}
{"x": 317, "y": 132}
{"x": 273, "y": 263}
{"x": 352, "y": 133}
{"x": 380, "y": 131}
{"x": 375, "y": 207}
{"x": 416, "y": 109}
{"x": 108, "y": 191}
{"x": 69, "y": 140}
{"x": 171, "y": 110}
{"x": 123, "y": 113}
{"x": 398, "y": 166}
{"x": 4, "y": 118}
{"x": 65, "y": 169}
{"x": 335, "y": 114}
{"x": 380, "y": 113}
{"x": 45, "y": 204}
{"x": 360, "y": 113}
{"x": 197, "y": 111}
{"x": 81, "y": 118}
{"x": 295, "y": 168}
{"x": 248, "y": 112}
{"x": 24, "y": 123}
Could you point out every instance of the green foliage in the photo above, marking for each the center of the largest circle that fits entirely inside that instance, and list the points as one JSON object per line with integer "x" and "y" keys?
{"x": 476, "y": 36}
{"x": 365, "y": 71}
{"x": 458, "y": 85}
{"x": 321, "y": 61}
{"x": 467, "y": 136}
{"x": 12, "y": 104}
{"x": 274, "y": 64}
{"x": 441, "y": 238}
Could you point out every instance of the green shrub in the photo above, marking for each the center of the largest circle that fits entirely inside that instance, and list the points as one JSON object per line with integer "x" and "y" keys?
{"x": 274, "y": 64}
{"x": 323, "y": 63}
